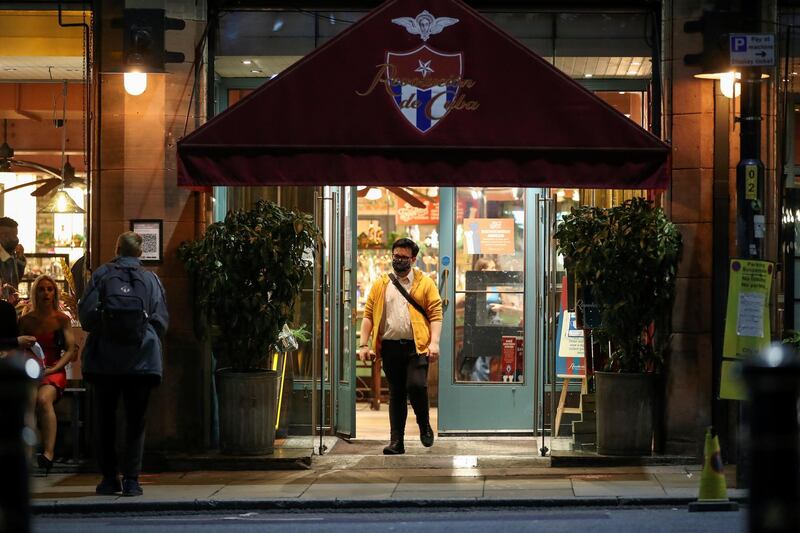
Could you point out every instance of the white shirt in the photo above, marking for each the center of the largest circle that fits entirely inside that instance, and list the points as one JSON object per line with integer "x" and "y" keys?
{"x": 396, "y": 318}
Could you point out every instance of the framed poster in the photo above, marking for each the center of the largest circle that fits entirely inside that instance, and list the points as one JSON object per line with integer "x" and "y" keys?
{"x": 152, "y": 232}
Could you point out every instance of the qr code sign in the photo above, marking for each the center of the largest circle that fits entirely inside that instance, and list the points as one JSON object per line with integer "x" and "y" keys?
{"x": 150, "y": 244}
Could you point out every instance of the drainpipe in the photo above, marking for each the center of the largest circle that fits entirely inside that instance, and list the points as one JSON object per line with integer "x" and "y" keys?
{"x": 87, "y": 133}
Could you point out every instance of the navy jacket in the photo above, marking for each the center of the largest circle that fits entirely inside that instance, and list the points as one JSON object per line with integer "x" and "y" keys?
{"x": 100, "y": 357}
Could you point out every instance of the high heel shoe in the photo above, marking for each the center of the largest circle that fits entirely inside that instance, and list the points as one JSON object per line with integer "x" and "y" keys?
{"x": 45, "y": 463}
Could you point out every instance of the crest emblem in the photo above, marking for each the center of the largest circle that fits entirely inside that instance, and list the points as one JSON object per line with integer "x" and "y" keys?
{"x": 424, "y": 24}
{"x": 423, "y": 83}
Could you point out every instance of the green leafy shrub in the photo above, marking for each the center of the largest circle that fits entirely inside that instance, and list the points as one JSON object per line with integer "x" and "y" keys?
{"x": 248, "y": 271}
{"x": 628, "y": 257}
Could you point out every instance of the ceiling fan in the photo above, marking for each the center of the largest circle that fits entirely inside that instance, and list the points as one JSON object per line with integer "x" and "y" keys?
{"x": 54, "y": 178}
{"x": 7, "y": 161}
{"x": 404, "y": 193}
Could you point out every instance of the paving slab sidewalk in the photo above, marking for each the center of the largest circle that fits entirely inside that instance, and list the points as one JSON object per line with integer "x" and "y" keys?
{"x": 352, "y": 488}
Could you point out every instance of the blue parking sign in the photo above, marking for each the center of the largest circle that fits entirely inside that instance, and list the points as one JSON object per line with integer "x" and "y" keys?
{"x": 738, "y": 43}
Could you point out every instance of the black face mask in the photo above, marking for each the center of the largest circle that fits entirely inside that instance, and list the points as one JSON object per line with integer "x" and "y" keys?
{"x": 11, "y": 244}
{"x": 401, "y": 266}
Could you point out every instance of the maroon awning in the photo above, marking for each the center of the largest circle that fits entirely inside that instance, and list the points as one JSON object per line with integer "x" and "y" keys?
{"x": 423, "y": 92}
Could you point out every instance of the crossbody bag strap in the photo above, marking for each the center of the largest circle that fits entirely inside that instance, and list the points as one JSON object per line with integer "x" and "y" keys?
{"x": 408, "y": 297}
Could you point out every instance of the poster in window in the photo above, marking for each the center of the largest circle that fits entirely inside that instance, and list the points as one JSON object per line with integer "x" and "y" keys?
{"x": 489, "y": 236}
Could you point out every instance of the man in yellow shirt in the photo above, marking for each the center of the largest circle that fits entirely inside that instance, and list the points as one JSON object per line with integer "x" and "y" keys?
{"x": 405, "y": 335}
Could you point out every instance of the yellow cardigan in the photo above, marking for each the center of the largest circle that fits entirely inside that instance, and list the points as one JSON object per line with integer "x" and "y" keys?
{"x": 424, "y": 291}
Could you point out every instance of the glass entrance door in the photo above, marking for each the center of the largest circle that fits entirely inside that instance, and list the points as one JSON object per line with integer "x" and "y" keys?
{"x": 490, "y": 373}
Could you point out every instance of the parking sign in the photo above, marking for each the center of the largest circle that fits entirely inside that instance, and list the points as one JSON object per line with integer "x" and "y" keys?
{"x": 752, "y": 49}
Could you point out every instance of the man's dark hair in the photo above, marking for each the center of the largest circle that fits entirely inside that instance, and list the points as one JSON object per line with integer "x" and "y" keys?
{"x": 6, "y": 222}
{"x": 406, "y": 243}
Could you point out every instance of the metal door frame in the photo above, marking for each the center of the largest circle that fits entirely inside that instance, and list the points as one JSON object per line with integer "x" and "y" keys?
{"x": 344, "y": 292}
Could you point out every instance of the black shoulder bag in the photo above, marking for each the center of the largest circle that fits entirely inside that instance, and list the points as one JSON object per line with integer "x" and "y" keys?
{"x": 408, "y": 297}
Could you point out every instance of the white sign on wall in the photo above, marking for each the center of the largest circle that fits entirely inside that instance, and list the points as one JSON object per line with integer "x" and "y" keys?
{"x": 752, "y": 49}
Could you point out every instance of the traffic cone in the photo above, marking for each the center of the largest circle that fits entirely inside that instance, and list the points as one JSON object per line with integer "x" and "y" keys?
{"x": 713, "y": 494}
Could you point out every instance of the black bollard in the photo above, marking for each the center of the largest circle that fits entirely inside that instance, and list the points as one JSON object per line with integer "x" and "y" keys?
{"x": 15, "y": 395}
{"x": 773, "y": 384}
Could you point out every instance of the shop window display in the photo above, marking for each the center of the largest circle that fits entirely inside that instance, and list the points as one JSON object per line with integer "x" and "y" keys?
{"x": 383, "y": 217}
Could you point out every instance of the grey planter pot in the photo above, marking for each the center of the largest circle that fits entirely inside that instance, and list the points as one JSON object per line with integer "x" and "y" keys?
{"x": 247, "y": 404}
{"x": 625, "y": 413}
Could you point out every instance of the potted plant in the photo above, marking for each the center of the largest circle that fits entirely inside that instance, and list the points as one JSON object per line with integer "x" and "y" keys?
{"x": 628, "y": 257}
{"x": 247, "y": 272}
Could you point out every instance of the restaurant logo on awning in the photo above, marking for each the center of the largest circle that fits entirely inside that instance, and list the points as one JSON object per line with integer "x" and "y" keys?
{"x": 425, "y": 84}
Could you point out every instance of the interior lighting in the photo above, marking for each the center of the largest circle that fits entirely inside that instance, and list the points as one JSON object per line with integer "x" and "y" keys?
{"x": 587, "y": 75}
{"x": 374, "y": 193}
{"x": 62, "y": 202}
{"x": 135, "y": 82}
{"x": 576, "y": 195}
{"x": 278, "y": 24}
{"x": 246, "y": 62}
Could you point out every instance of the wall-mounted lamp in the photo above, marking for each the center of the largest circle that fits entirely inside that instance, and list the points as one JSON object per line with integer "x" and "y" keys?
{"x": 729, "y": 84}
{"x": 143, "y": 46}
{"x": 135, "y": 82}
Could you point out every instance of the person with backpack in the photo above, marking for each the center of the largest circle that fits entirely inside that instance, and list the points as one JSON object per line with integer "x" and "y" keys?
{"x": 124, "y": 310}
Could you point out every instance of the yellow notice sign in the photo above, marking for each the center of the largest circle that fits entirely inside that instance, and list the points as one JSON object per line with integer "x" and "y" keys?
{"x": 750, "y": 182}
{"x": 747, "y": 327}
{"x": 731, "y": 385}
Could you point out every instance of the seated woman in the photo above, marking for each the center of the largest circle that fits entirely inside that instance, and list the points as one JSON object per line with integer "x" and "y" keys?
{"x": 53, "y": 332}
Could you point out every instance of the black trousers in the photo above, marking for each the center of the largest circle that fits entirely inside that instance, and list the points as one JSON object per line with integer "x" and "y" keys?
{"x": 407, "y": 374}
{"x": 135, "y": 393}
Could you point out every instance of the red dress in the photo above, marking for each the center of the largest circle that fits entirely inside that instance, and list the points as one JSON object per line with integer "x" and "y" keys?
{"x": 52, "y": 354}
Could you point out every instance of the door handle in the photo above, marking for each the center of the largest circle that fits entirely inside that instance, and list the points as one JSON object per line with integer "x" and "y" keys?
{"x": 445, "y": 299}
{"x": 346, "y": 285}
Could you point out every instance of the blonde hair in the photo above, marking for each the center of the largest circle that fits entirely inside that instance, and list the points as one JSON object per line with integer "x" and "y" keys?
{"x": 34, "y": 293}
{"x": 129, "y": 244}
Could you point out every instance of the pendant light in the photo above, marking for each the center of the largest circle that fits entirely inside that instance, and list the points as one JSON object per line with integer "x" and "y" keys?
{"x": 62, "y": 202}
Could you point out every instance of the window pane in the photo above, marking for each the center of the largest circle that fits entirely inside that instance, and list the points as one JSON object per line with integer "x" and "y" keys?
{"x": 490, "y": 258}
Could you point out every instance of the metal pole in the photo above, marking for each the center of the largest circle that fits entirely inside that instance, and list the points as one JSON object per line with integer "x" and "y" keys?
{"x": 538, "y": 423}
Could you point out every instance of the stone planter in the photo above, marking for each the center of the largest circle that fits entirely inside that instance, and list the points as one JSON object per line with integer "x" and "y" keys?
{"x": 247, "y": 404}
{"x": 625, "y": 413}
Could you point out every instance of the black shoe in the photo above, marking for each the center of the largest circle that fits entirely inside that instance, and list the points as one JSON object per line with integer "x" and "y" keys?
{"x": 109, "y": 486}
{"x": 45, "y": 463}
{"x": 426, "y": 436}
{"x": 395, "y": 447}
{"x": 131, "y": 487}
